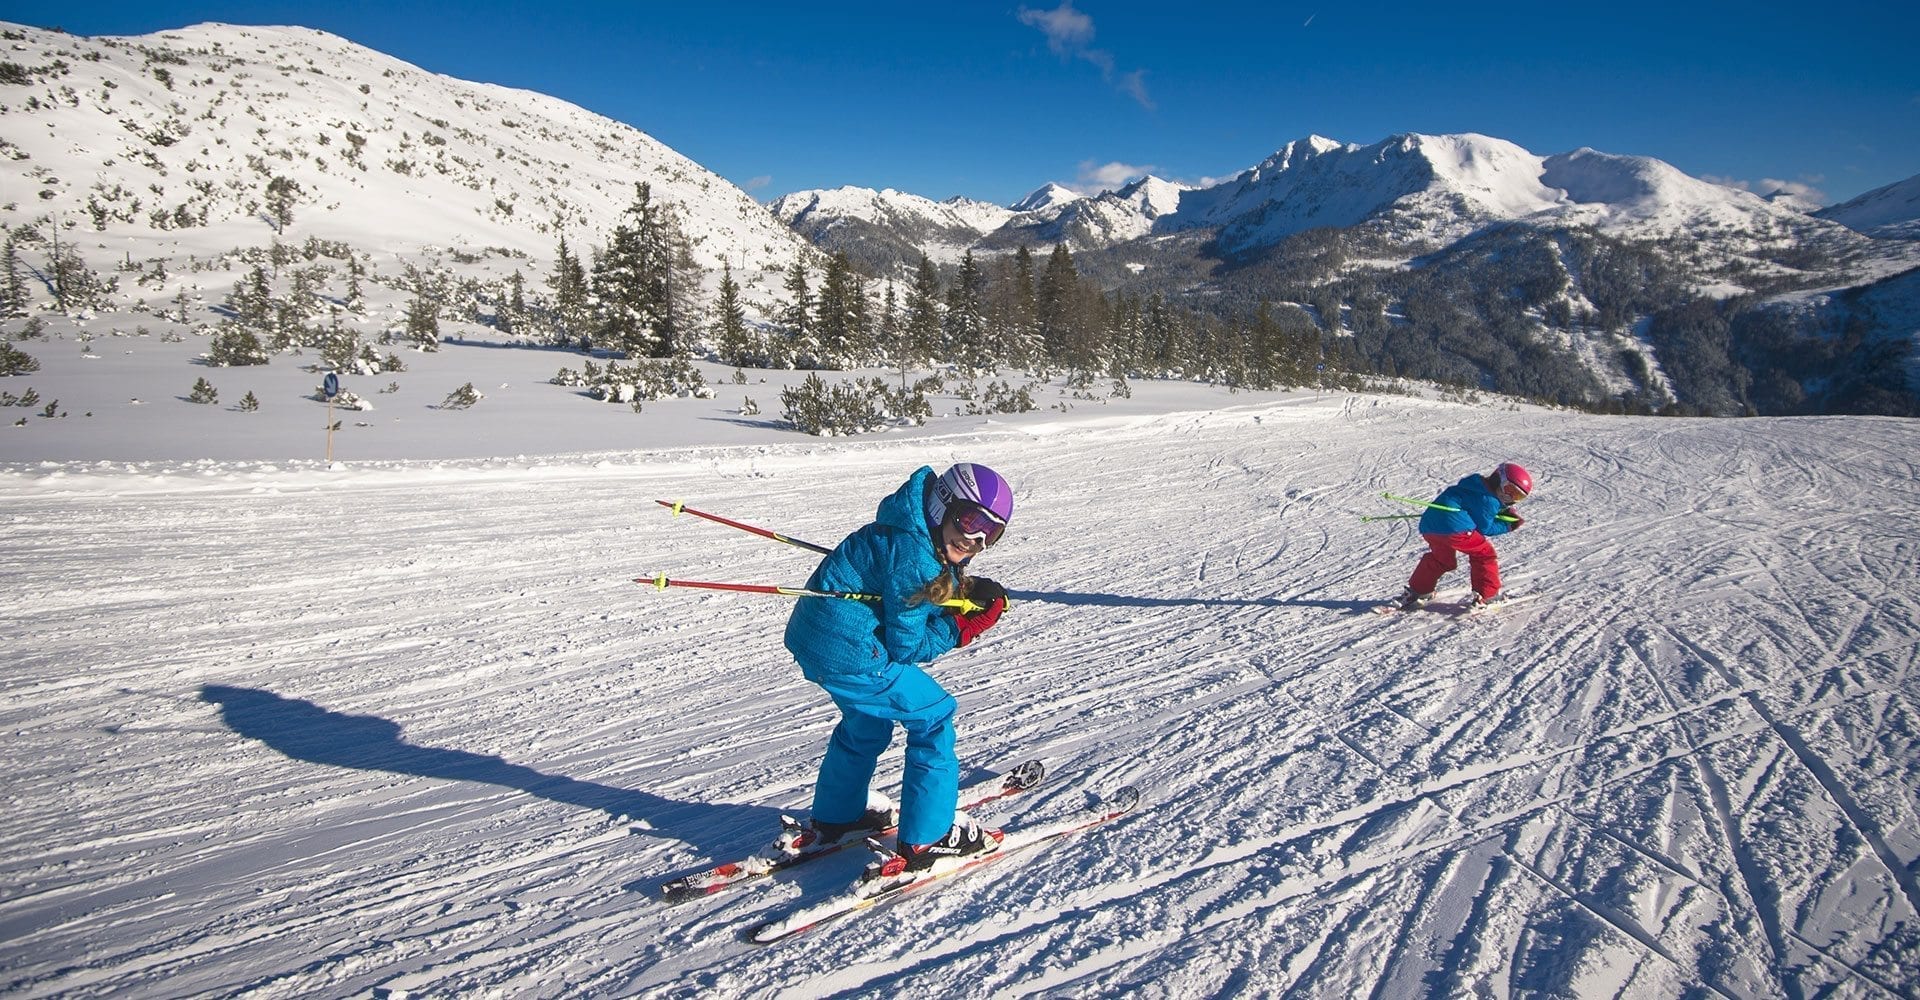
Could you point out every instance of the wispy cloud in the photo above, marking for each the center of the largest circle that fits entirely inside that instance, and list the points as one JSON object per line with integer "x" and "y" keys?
{"x": 756, "y": 183}
{"x": 1773, "y": 188}
{"x": 1097, "y": 177}
{"x": 1069, "y": 35}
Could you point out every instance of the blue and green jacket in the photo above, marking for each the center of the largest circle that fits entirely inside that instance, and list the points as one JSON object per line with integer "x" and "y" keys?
{"x": 893, "y": 557}
{"x": 1479, "y": 510}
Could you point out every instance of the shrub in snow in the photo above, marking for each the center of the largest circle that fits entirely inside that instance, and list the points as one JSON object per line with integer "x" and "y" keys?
{"x": 853, "y": 407}
{"x": 203, "y": 392}
{"x": 234, "y": 346}
{"x": 461, "y": 398}
{"x": 248, "y": 403}
{"x": 647, "y": 379}
{"x": 344, "y": 399}
{"x": 14, "y": 361}
{"x": 1002, "y": 397}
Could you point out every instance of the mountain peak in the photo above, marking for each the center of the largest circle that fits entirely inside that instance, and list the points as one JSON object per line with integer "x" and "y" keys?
{"x": 1049, "y": 195}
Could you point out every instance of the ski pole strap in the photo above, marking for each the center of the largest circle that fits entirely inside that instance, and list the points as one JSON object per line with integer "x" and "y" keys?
{"x": 660, "y": 581}
{"x": 1435, "y": 506}
{"x": 678, "y": 508}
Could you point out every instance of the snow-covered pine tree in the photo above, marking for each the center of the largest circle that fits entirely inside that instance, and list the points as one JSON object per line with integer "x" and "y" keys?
{"x": 734, "y": 341}
{"x": 966, "y": 320}
{"x": 923, "y": 332}
{"x": 571, "y": 305}
{"x": 796, "y": 316}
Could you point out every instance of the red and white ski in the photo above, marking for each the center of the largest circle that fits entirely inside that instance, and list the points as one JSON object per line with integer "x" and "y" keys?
{"x": 712, "y": 880}
{"x": 870, "y": 893}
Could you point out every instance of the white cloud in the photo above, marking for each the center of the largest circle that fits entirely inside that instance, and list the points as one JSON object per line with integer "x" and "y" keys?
{"x": 756, "y": 183}
{"x": 1097, "y": 177}
{"x": 1773, "y": 189}
{"x": 1068, "y": 31}
{"x": 1070, "y": 36}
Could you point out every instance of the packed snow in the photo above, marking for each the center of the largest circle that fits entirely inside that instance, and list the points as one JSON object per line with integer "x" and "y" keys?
{"x": 404, "y": 724}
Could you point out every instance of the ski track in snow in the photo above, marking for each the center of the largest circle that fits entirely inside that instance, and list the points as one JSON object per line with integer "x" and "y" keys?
{"x": 414, "y": 728}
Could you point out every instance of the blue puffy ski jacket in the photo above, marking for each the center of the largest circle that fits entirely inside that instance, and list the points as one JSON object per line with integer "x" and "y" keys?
{"x": 1479, "y": 510}
{"x": 894, "y": 558}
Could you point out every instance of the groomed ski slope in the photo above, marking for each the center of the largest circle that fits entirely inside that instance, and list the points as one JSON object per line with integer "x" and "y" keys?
{"x": 410, "y": 729}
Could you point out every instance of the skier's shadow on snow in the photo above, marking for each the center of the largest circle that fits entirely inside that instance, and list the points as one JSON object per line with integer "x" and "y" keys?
{"x": 1136, "y": 601}
{"x": 305, "y": 731}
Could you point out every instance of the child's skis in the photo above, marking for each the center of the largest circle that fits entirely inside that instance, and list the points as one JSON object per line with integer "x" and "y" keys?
{"x": 875, "y": 889}
{"x": 768, "y": 861}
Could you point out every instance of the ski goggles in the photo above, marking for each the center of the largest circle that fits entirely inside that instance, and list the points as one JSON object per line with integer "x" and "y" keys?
{"x": 975, "y": 523}
{"x": 1510, "y": 491}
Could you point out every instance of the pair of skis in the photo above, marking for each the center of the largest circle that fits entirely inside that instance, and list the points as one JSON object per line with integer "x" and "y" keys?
{"x": 1455, "y": 609}
{"x": 876, "y": 890}
{"x": 771, "y": 860}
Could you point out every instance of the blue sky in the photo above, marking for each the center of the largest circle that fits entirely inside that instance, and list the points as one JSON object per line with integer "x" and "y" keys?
{"x": 992, "y": 100}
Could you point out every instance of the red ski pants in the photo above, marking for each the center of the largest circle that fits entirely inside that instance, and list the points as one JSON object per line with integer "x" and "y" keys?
{"x": 1443, "y": 557}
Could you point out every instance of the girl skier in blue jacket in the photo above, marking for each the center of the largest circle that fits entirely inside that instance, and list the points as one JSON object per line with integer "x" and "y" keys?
{"x": 867, "y": 655}
{"x": 1461, "y": 520}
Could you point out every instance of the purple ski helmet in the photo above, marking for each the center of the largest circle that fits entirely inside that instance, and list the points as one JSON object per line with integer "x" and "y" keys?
{"x": 975, "y": 497}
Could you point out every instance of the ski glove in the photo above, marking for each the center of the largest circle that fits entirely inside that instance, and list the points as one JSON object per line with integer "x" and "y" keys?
{"x": 1513, "y": 525}
{"x": 986, "y": 592}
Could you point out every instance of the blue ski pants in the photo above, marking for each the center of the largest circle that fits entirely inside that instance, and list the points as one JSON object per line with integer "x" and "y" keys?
{"x": 869, "y": 709}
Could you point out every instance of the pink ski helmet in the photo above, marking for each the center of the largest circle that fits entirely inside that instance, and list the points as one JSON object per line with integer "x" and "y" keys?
{"x": 975, "y": 498}
{"x": 1513, "y": 478}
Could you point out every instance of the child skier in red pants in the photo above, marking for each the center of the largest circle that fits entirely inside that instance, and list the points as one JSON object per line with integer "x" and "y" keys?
{"x": 1460, "y": 521}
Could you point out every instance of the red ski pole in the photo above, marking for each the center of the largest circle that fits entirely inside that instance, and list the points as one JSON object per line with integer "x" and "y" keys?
{"x": 660, "y": 581}
{"x": 677, "y": 507}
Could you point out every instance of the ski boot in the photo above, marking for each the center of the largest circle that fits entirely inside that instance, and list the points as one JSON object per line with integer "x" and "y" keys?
{"x": 797, "y": 838}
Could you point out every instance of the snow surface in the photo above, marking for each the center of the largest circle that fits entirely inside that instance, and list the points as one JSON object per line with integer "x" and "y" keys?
{"x": 404, "y": 725}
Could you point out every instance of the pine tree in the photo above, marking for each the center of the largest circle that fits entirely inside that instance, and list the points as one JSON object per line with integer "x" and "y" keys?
{"x": 923, "y": 339}
{"x": 252, "y": 304}
{"x": 841, "y": 316}
{"x": 1011, "y": 316}
{"x": 570, "y": 306}
{"x": 797, "y": 315}
{"x": 513, "y": 305}
{"x": 634, "y": 279}
{"x": 1055, "y": 308}
{"x": 423, "y": 319}
{"x": 966, "y": 321}
{"x": 282, "y": 193}
{"x": 734, "y": 340}
{"x": 13, "y": 285}
{"x": 355, "y": 302}
{"x": 203, "y": 392}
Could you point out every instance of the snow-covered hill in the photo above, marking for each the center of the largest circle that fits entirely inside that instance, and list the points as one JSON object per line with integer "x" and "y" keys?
{"x": 163, "y": 146}
{"x": 1891, "y": 212}
{"x": 408, "y": 728}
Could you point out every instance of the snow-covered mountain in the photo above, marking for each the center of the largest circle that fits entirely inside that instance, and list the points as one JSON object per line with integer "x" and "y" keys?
{"x": 1046, "y": 196}
{"x": 1891, "y": 212}
{"x": 853, "y": 216}
{"x": 1423, "y": 192}
{"x": 164, "y": 145}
